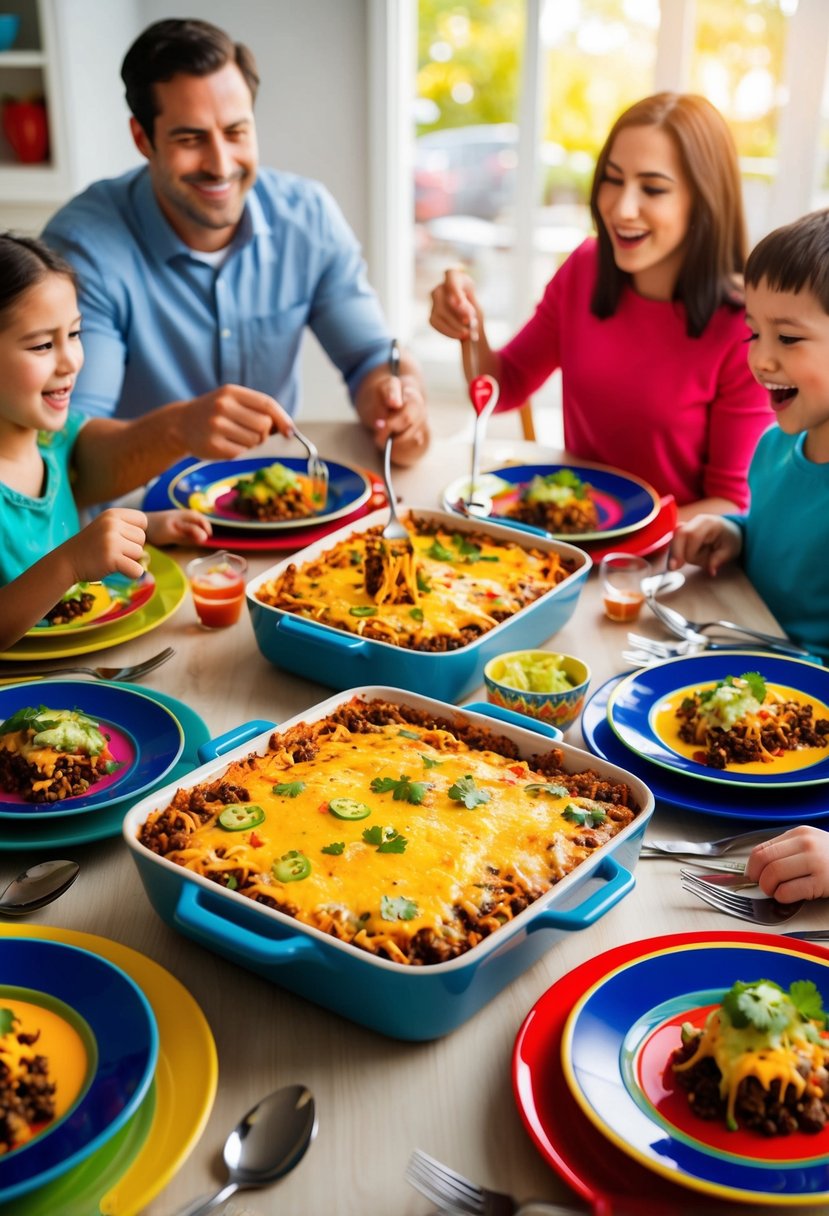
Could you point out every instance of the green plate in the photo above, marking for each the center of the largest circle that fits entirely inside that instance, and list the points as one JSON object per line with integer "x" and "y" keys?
{"x": 170, "y": 590}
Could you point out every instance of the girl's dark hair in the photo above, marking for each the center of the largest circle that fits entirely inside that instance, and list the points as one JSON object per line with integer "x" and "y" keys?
{"x": 794, "y": 258}
{"x": 716, "y": 243}
{"x": 168, "y": 47}
{"x": 24, "y": 262}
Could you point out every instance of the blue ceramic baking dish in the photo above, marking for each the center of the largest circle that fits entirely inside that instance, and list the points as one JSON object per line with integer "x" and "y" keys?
{"x": 415, "y": 1003}
{"x": 343, "y": 660}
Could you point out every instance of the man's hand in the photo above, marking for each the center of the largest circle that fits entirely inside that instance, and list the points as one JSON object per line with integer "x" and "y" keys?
{"x": 395, "y": 405}
{"x": 230, "y": 420}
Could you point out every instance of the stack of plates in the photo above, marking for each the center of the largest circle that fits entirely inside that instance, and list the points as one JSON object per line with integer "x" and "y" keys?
{"x": 154, "y": 736}
{"x": 620, "y": 724}
{"x": 351, "y": 494}
{"x": 135, "y": 1064}
{"x": 123, "y": 609}
{"x": 589, "y": 1079}
{"x": 631, "y": 516}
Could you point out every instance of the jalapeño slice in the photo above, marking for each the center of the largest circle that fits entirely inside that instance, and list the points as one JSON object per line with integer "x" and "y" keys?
{"x": 291, "y": 867}
{"x": 348, "y": 808}
{"x": 239, "y": 816}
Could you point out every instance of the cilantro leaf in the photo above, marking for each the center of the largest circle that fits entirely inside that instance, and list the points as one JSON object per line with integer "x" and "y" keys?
{"x": 335, "y": 848}
{"x": 7, "y": 1020}
{"x": 547, "y": 787}
{"x": 756, "y": 683}
{"x": 428, "y": 762}
{"x": 403, "y": 790}
{"x": 373, "y": 835}
{"x": 465, "y": 790}
{"x": 387, "y": 840}
{"x": 112, "y": 766}
{"x": 289, "y": 789}
{"x": 589, "y": 817}
{"x": 466, "y": 548}
{"x": 807, "y": 1000}
{"x": 398, "y": 908}
{"x": 440, "y": 553}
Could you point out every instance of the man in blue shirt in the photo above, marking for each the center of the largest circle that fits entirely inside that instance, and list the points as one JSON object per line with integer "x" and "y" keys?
{"x": 199, "y": 272}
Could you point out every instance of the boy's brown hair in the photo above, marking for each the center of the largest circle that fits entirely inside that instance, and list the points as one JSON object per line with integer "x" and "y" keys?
{"x": 794, "y": 258}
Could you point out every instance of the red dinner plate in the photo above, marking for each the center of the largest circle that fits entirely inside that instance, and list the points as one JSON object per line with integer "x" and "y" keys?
{"x": 653, "y": 537}
{"x": 601, "y": 1174}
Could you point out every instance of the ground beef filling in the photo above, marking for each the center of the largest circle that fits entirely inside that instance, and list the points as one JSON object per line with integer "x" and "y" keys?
{"x": 69, "y": 610}
{"x": 72, "y": 776}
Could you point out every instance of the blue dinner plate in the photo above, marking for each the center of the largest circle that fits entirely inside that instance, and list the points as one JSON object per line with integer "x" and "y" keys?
{"x": 348, "y": 489}
{"x": 48, "y": 832}
{"x": 603, "y": 1048}
{"x": 114, "y": 1018}
{"x": 145, "y": 735}
{"x": 678, "y": 792}
{"x": 634, "y": 703}
{"x": 623, "y": 502}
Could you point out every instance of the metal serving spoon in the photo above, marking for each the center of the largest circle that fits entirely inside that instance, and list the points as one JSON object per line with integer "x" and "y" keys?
{"x": 37, "y": 886}
{"x": 265, "y": 1145}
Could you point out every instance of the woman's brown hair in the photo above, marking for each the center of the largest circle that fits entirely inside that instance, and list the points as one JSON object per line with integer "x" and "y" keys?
{"x": 716, "y": 245}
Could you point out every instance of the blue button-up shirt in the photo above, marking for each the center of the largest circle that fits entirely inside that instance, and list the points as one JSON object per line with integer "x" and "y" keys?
{"x": 160, "y": 325}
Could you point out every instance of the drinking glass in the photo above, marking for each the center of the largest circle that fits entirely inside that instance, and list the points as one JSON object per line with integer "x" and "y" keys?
{"x": 218, "y": 587}
{"x": 621, "y": 577}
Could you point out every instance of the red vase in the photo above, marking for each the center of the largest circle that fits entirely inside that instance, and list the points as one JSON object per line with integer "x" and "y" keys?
{"x": 26, "y": 128}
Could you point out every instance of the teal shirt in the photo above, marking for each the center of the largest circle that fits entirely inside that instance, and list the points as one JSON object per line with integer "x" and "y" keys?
{"x": 786, "y": 537}
{"x": 31, "y": 527}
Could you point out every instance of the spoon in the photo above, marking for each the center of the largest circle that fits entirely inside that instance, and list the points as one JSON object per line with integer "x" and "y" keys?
{"x": 266, "y": 1144}
{"x": 663, "y": 584}
{"x": 37, "y": 886}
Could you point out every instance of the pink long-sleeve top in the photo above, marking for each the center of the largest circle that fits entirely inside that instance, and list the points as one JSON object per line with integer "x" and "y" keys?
{"x": 638, "y": 393}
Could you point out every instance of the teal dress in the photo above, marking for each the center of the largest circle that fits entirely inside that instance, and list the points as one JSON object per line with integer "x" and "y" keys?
{"x": 786, "y": 538}
{"x": 32, "y": 527}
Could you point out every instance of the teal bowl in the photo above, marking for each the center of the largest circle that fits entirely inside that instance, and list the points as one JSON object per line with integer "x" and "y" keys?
{"x": 9, "y": 27}
{"x": 559, "y": 709}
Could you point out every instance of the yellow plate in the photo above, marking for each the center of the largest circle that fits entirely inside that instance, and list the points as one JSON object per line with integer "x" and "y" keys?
{"x": 186, "y": 1075}
{"x": 170, "y": 590}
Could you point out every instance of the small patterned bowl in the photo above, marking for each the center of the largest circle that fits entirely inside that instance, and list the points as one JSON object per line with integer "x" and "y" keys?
{"x": 559, "y": 709}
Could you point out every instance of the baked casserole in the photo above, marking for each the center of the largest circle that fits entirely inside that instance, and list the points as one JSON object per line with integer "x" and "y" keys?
{"x": 449, "y": 590}
{"x": 407, "y": 834}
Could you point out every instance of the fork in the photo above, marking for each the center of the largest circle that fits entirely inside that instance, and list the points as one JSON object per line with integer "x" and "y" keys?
{"x": 317, "y": 468}
{"x": 454, "y": 1193}
{"x": 135, "y": 672}
{"x": 712, "y": 848}
{"x": 693, "y": 631}
{"x": 394, "y": 530}
{"x": 761, "y": 911}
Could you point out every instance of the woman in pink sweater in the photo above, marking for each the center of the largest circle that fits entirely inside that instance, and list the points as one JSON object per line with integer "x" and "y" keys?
{"x": 646, "y": 320}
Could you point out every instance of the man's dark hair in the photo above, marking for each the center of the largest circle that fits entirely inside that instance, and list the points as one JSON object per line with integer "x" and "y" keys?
{"x": 794, "y": 258}
{"x": 168, "y": 47}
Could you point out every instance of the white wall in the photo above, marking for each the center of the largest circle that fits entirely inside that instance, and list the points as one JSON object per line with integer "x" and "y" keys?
{"x": 312, "y": 110}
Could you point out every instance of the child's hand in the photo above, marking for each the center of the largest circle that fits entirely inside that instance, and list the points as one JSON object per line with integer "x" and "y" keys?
{"x": 708, "y": 541}
{"x": 112, "y": 543}
{"x": 177, "y": 528}
{"x": 792, "y": 866}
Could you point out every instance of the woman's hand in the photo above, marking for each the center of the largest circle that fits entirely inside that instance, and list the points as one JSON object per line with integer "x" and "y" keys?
{"x": 455, "y": 310}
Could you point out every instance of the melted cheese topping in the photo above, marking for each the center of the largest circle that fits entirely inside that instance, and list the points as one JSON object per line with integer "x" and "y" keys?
{"x": 458, "y": 585}
{"x": 748, "y": 1052}
{"x": 453, "y": 853}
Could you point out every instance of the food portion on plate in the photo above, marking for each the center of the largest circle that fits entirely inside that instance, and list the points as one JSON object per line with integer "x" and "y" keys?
{"x": 77, "y": 601}
{"x": 27, "y": 1090}
{"x": 47, "y": 755}
{"x": 558, "y": 502}
{"x": 743, "y": 720}
{"x": 455, "y": 586}
{"x": 406, "y": 834}
{"x": 274, "y": 492}
{"x": 760, "y": 1061}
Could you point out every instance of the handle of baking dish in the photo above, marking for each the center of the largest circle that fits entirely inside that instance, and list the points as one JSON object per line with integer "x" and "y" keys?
{"x": 618, "y": 881}
{"x": 213, "y": 748}
{"x": 200, "y": 915}
{"x": 514, "y": 719}
{"x": 311, "y": 635}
